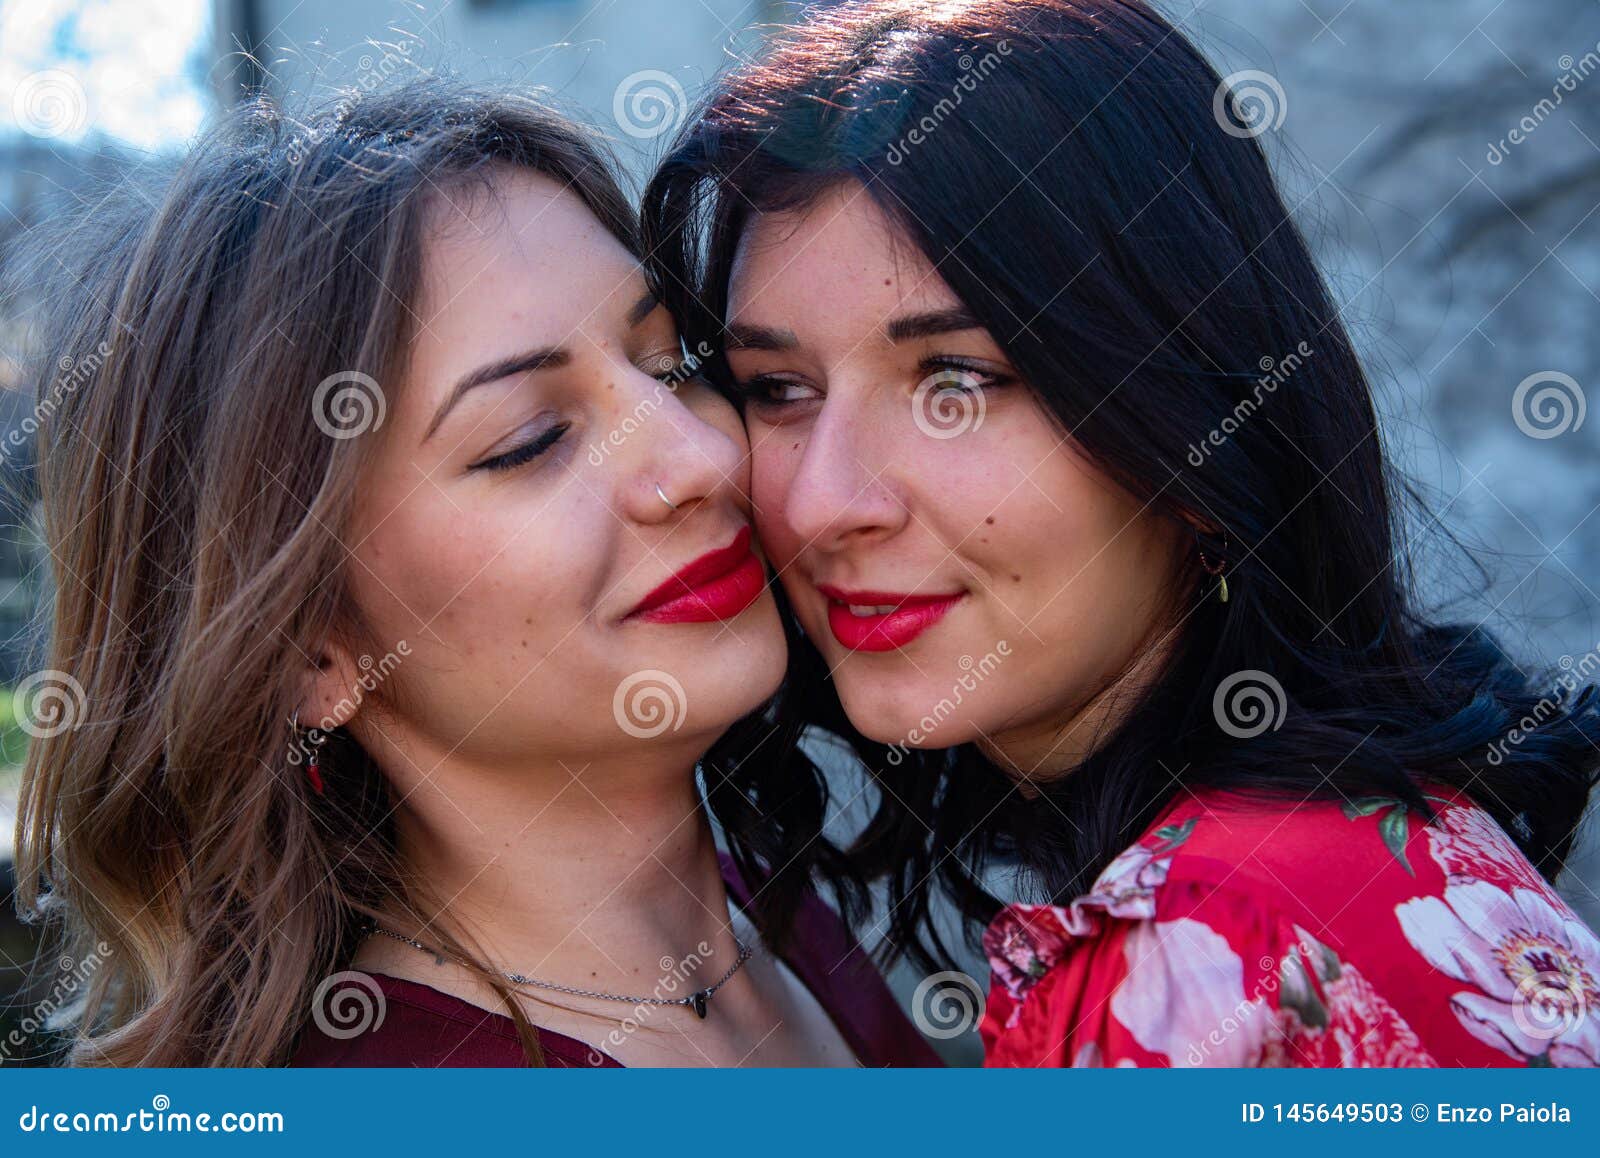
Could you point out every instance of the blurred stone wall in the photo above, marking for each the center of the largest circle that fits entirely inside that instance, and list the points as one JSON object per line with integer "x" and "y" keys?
{"x": 1444, "y": 156}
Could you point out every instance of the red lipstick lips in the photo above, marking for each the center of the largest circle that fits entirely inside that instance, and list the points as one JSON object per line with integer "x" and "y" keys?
{"x": 883, "y": 620}
{"x": 718, "y": 585}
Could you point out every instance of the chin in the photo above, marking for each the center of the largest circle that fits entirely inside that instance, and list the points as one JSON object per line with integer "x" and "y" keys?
{"x": 737, "y": 679}
{"x": 885, "y": 717}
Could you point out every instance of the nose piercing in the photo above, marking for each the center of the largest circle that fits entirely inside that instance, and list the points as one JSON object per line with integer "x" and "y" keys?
{"x": 662, "y": 495}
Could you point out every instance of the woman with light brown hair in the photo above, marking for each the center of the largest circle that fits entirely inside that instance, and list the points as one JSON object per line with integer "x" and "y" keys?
{"x": 391, "y": 437}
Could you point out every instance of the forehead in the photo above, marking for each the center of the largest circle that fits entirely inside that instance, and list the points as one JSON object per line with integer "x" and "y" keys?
{"x": 840, "y": 254}
{"x": 523, "y": 251}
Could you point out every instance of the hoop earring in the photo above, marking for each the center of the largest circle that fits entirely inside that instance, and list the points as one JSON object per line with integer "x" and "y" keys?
{"x": 313, "y": 757}
{"x": 1217, "y": 568}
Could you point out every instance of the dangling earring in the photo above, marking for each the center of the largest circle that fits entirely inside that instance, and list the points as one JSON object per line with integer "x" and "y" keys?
{"x": 313, "y": 757}
{"x": 1215, "y": 568}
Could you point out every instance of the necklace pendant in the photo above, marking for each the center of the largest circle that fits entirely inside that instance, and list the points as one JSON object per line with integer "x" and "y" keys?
{"x": 698, "y": 1000}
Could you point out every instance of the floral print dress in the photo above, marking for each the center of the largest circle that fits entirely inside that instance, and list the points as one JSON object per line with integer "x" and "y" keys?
{"x": 1240, "y": 932}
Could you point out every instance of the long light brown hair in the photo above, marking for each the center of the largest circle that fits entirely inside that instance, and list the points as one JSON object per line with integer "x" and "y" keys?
{"x": 193, "y": 504}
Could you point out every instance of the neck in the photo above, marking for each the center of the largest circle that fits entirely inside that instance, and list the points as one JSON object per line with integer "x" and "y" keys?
{"x": 585, "y": 875}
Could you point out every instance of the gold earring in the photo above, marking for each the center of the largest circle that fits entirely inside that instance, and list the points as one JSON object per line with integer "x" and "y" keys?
{"x": 1216, "y": 569}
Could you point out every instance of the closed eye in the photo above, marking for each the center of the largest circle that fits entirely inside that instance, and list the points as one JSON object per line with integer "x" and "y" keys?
{"x": 525, "y": 453}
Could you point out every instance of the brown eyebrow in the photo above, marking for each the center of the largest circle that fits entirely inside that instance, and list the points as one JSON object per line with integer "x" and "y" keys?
{"x": 548, "y": 358}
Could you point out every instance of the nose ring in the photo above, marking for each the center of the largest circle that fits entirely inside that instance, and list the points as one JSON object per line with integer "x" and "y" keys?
{"x": 662, "y": 495}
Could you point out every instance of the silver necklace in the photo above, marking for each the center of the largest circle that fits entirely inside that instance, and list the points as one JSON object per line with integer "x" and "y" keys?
{"x": 698, "y": 1001}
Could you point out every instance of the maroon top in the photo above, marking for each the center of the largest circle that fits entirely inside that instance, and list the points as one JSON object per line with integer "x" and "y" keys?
{"x": 424, "y": 1027}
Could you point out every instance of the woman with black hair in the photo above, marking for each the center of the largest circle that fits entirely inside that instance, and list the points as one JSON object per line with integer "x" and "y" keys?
{"x": 1074, "y": 484}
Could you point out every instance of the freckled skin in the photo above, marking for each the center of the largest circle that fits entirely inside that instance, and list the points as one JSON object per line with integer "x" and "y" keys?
{"x": 851, "y": 492}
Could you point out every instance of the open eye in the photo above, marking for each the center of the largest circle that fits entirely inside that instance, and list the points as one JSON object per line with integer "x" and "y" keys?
{"x": 958, "y": 376}
{"x": 770, "y": 390}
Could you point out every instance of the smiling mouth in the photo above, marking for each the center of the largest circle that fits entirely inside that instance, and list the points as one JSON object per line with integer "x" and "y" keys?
{"x": 882, "y": 620}
{"x": 718, "y": 585}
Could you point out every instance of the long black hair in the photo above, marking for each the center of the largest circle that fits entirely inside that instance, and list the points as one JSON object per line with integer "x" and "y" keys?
{"x": 1086, "y": 185}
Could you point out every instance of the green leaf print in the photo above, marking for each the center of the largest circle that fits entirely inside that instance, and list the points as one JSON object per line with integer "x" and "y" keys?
{"x": 1172, "y": 835}
{"x": 1394, "y": 827}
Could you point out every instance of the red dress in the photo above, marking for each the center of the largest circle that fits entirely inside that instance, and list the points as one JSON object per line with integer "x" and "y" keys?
{"x": 1240, "y": 932}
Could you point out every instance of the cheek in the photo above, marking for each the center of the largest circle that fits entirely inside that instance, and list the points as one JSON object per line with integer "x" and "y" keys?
{"x": 1101, "y": 569}
{"x": 715, "y": 410}
{"x": 462, "y": 577}
{"x": 426, "y": 581}
{"x": 774, "y": 457}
